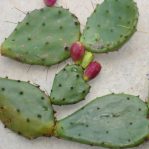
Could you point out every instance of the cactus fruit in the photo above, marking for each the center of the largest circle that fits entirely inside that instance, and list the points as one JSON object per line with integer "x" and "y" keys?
{"x": 50, "y": 2}
{"x": 92, "y": 70}
{"x": 69, "y": 86}
{"x": 88, "y": 57}
{"x": 110, "y": 26}
{"x": 77, "y": 52}
{"x": 25, "y": 109}
{"x": 113, "y": 121}
{"x": 43, "y": 37}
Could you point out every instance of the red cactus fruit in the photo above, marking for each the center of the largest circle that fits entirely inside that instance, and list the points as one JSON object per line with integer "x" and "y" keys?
{"x": 77, "y": 52}
{"x": 92, "y": 70}
{"x": 50, "y": 2}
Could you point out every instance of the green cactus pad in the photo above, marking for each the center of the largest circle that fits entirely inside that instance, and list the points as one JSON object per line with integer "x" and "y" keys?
{"x": 25, "y": 109}
{"x": 113, "y": 121}
{"x": 110, "y": 26}
{"x": 43, "y": 37}
{"x": 69, "y": 86}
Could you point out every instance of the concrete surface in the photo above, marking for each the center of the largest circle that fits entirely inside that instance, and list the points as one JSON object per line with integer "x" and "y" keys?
{"x": 123, "y": 71}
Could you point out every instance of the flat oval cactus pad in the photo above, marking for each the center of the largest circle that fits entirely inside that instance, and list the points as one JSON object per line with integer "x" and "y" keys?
{"x": 69, "y": 86}
{"x": 43, "y": 37}
{"x": 110, "y": 26}
{"x": 25, "y": 109}
{"x": 113, "y": 121}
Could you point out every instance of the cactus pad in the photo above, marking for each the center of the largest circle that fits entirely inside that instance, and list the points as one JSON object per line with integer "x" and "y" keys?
{"x": 113, "y": 121}
{"x": 43, "y": 37}
{"x": 110, "y": 26}
{"x": 69, "y": 86}
{"x": 25, "y": 109}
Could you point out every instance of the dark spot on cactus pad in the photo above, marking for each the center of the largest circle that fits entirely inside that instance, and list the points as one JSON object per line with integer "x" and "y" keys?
{"x": 111, "y": 30}
{"x": 128, "y": 6}
{"x": 130, "y": 123}
{"x": 128, "y": 98}
{"x": 98, "y": 25}
{"x": 86, "y": 126}
{"x": 140, "y": 109}
{"x": 18, "y": 110}
{"x": 84, "y": 92}
{"x": 60, "y": 85}
{"x": 71, "y": 123}
{"x": 107, "y": 11}
{"x": 121, "y": 36}
{"x": 76, "y": 23}
{"x": 63, "y": 99}
{"x": 66, "y": 48}
{"x": 120, "y": 18}
{"x": 59, "y": 12}
{"x": 51, "y": 90}
{"x": 42, "y": 59}
{"x": 29, "y": 39}
{"x": 19, "y": 133}
{"x": 77, "y": 75}
{"x": 79, "y": 134}
{"x": 27, "y": 23}
{"x": 39, "y": 116}
{"x": 87, "y": 27}
{"x": 27, "y": 120}
{"x": 71, "y": 87}
{"x": 47, "y": 43}
{"x": 107, "y": 132}
{"x": 61, "y": 27}
{"x": 13, "y": 39}
{"x": 1, "y": 108}
{"x": 96, "y": 39}
{"x": 21, "y": 93}
{"x": 18, "y": 81}
{"x": 3, "y": 89}
{"x": 5, "y": 126}
{"x": 129, "y": 140}
{"x": 98, "y": 108}
{"x": 102, "y": 143}
{"x": 43, "y": 24}
{"x": 42, "y": 98}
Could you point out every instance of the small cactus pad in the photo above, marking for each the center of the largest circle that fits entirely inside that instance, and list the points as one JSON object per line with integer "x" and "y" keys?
{"x": 113, "y": 121}
{"x": 69, "y": 86}
{"x": 25, "y": 109}
{"x": 110, "y": 26}
{"x": 43, "y": 37}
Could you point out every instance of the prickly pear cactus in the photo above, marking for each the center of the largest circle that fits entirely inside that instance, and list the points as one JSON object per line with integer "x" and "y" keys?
{"x": 43, "y": 37}
{"x": 69, "y": 86}
{"x": 110, "y": 26}
{"x": 25, "y": 109}
{"x": 113, "y": 121}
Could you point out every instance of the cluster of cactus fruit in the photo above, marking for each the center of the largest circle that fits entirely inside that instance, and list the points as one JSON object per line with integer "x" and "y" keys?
{"x": 112, "y": 121}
